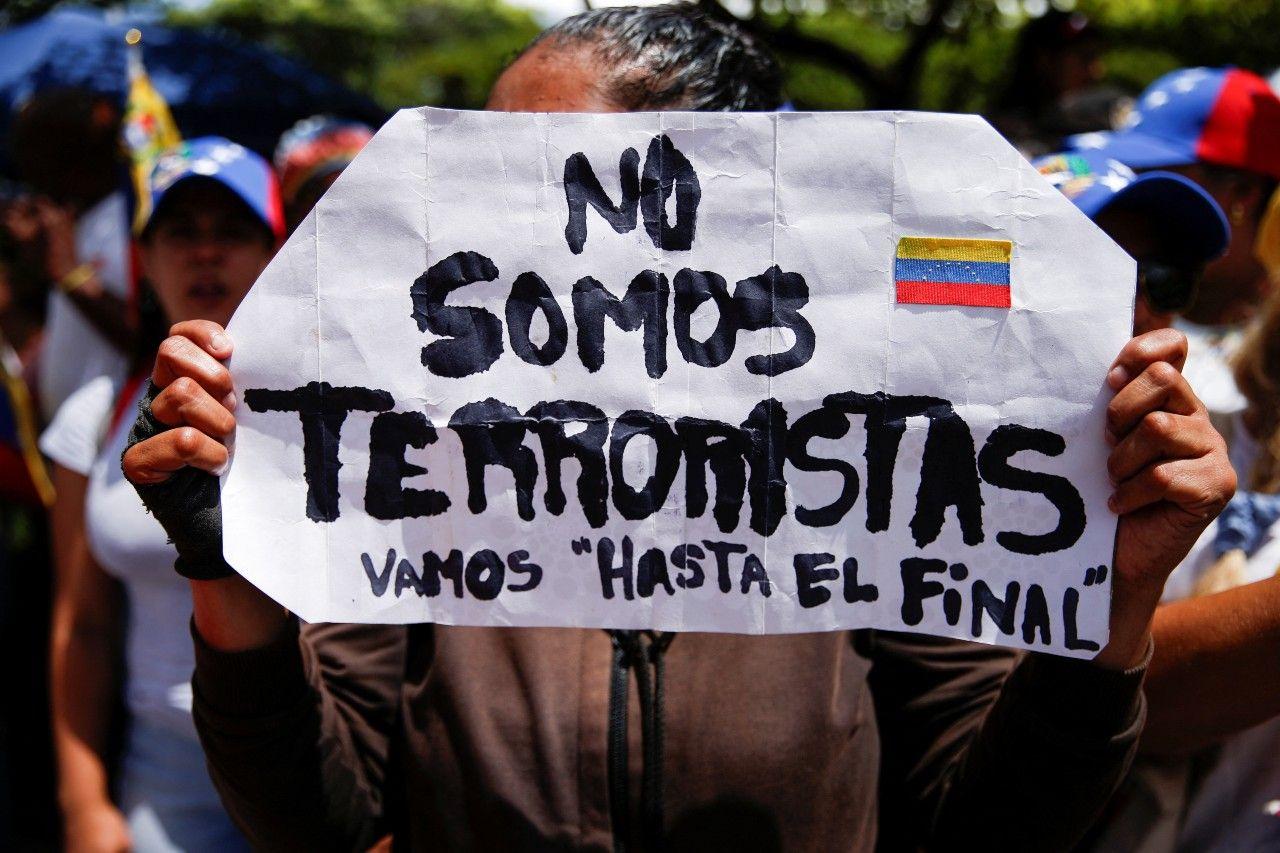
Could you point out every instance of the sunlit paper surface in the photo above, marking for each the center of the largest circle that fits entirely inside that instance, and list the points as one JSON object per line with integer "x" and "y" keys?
{"x": 826, "y": 196}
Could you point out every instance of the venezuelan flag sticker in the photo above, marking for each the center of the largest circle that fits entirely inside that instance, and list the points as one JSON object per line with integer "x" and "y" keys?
{"x": 947, "y": 271}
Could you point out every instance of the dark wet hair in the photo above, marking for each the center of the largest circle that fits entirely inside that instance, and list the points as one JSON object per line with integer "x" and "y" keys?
{"x": 153, "y": 327}
{"x": 673, "y": 56}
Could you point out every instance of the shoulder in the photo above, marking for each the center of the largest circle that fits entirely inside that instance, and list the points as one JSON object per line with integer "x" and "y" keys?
{"x": 76, "y": 432}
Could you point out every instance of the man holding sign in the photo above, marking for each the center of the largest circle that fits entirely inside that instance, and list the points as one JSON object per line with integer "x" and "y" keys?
{"x": 460, "y": 403}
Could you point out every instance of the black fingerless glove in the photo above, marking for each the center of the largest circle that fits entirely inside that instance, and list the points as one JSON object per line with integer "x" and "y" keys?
{"x": 187, "y": 505}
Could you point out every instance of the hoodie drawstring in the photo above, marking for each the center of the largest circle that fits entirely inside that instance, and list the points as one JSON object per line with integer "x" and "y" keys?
{"x": 638, "y": 650}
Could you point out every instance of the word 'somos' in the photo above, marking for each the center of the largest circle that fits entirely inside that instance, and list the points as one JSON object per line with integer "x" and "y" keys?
{"x": 471, "y": 337}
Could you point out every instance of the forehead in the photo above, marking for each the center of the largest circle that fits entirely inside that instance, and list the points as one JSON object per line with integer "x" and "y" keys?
{"x": 201, "y": 196}
{"x": 552, "y": 77}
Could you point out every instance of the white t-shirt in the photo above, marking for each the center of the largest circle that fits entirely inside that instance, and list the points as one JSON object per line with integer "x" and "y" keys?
{"x": 131, "y": 546}
{"x": 73, "y": 351}
{"x": 1236, "y": 803}
{"x": 1262, "y": 564}
{"x": 1208, "y": 367}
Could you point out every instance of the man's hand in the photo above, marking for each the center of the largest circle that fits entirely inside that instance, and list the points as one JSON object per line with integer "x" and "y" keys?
{"x": 45, "y": 231}
{"x": 22, "y": 221}
{"x": 59, "y": 225}
{"x": 1171, "y": 475}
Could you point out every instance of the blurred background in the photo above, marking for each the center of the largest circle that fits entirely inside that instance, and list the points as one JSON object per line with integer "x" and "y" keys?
{"x": 952, "y": 55}
{"x": 304, "y": 83}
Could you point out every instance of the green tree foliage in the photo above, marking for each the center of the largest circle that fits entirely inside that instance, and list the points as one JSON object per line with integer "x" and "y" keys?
{"x": 402, "y": 52}
{"x": 957, "y": 54}
{"x": 840, "y": 54}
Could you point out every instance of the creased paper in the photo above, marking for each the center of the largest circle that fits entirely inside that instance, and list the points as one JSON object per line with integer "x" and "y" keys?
{"x": 712, "y": 372}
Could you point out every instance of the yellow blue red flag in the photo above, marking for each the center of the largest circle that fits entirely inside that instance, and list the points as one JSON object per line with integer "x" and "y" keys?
{"x": 23, "y": 474}
{"x": 149, "y": 128}
{"x": 950, "y": 271}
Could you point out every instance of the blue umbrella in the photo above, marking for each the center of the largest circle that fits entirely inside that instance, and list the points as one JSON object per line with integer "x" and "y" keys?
{"x": 215, "y": 84}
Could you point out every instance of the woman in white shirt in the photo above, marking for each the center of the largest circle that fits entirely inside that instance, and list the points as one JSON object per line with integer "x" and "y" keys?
{"x": 120, "y": 612}
{"x": 1213, "y": 687}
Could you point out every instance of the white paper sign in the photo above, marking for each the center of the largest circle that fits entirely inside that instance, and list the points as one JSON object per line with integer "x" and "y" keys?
{"x": 758, "y": 373}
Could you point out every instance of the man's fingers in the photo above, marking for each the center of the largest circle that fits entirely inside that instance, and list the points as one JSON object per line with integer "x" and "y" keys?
{"x": 1158, "y": 437}
{"x": 1159, "y": 387}
{"x": 179, "y": 356}
{"x": 47, "y": 212}
{"x": 185, "y": 403}
{"x": 22, "y": 223}
{"x": 1161, "y": 345}
{"x": 152, "y": 461}
{"x": 1200, "y": 487}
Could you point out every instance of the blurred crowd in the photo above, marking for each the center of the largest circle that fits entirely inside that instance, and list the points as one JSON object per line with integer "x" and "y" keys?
{"x": 98, "y": 749}
{"x": 81, "y": 314}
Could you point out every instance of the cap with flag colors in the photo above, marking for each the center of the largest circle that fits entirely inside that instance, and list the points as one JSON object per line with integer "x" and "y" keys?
{"x": 952, "y": 271}
{"x": 215, "y": 158}
{"x": 1226, "y": 116}
{"x": 1186, "y": 221}
{"x": 316, "y": 148}
{"x": 148, "y": 128}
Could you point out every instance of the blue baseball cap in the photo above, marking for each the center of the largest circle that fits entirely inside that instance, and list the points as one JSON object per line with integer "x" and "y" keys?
{"x": 235, "y": 167}
{"x": 1175, "y": 206}
{"x": 1225, "y": 116}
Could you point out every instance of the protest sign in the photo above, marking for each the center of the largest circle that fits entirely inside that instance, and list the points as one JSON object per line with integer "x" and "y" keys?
{"x": 758, "y": 373}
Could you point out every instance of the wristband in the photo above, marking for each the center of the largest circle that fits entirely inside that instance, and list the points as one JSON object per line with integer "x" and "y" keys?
{"x": 187, "y": 505}
{"x": 77, "y": 278}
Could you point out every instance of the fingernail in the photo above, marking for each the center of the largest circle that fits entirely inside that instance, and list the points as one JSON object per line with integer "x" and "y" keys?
{"x": 1118, "y": 377}
{"x": 229, "y": 402}
{"x": 1110, "y": 437}
{"x": 220, "y": 341}
{"x": 1111, "y": 504}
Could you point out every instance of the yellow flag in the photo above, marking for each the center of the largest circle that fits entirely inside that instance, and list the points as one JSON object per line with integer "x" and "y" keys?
{"x": 18, "y": 434}
{"x": 148, "y": 128}
{"x": 1267, "y": 243}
